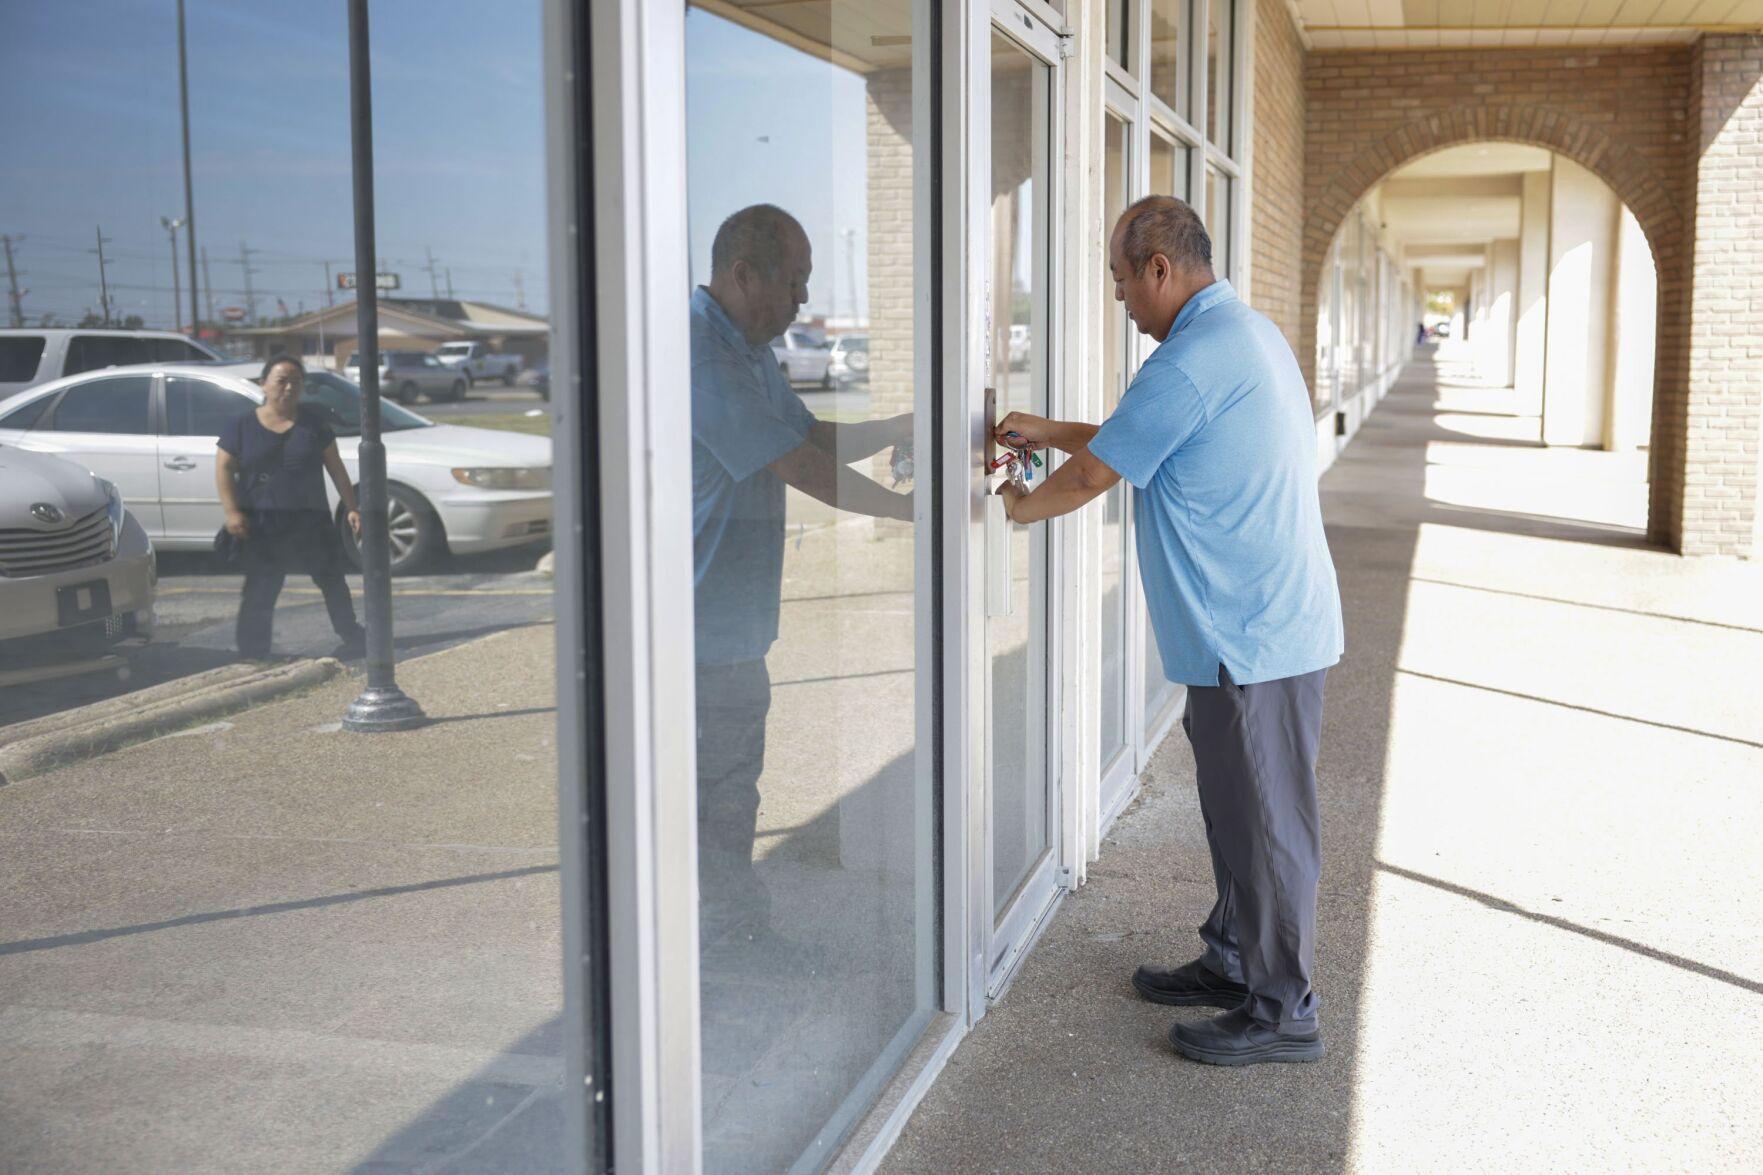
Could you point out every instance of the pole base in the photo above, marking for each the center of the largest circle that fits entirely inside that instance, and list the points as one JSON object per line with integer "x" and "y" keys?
{"x": 382, "y": 708}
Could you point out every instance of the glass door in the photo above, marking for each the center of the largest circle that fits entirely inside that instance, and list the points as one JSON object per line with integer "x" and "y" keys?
{"x": 1022, "y": 790}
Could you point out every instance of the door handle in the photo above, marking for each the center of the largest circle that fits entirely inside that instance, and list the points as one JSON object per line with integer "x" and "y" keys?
{"x": 180, "y": 463}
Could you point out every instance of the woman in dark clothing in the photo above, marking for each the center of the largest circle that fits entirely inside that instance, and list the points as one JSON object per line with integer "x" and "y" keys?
{"x": 270, "y": 474}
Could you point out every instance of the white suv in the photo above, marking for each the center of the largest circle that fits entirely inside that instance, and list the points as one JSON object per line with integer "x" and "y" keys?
{"x": 32, "y": 357}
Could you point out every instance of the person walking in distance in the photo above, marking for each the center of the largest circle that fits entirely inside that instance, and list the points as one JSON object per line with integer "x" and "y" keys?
{"x": 270, "y": 474}
{"x": 1217, "y": 438}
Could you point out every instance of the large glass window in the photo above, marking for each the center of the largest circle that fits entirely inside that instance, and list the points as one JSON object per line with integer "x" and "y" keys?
{"x": 814, "y": 788}
{"x": 1220, "y": 73}
{"x": 1218, "y": 218}
{"x": 1169, "y": 40}
{"x": 339, "y": 951}
{"x": 1116, "y": 342}
{"x": 1120, "y": 38}
{"x": 1169, "y": 167}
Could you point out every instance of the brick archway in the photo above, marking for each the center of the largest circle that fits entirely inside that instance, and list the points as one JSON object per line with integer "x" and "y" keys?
{"x": 1634, "y": 183}
{"x": 1620, "y": 115}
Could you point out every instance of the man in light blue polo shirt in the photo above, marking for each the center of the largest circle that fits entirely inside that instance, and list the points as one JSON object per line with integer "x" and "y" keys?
{"x": 1217, "y": 438}
{"x": 751, "y": 436}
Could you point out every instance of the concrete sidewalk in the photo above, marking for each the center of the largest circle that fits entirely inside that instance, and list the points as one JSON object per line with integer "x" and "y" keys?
{"x": 265, "y": 944}
{"x": 1542, "y": 898}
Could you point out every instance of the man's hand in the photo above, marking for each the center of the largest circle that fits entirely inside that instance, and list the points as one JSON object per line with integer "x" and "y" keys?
{"x": 1037, "y": 431}
{"x": 1011, "y": 494}
{"x": 354, "y": 520}
{"x": 236, "y": 524}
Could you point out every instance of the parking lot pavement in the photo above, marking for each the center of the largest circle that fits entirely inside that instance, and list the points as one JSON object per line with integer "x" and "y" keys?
{"x": 198, "y": 599}
{"x": 273, "y": 945}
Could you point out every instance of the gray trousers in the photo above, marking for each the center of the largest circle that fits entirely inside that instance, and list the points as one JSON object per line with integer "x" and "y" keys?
{"x": 733, "y": 702}
{"x": 1255, "y": 752}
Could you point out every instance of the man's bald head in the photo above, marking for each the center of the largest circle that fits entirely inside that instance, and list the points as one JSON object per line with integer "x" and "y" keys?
{"x": 1159, "y": 256}
{"x": 760, "y": 234}
{"x": 1163, "y": 224}
{"x": 760, "y": 261}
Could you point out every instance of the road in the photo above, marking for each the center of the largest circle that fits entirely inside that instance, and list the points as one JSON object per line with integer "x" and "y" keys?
{"x": 197, "y": 601}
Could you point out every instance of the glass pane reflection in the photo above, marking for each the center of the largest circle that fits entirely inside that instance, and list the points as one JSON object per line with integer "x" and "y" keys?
{"x": 1112, "y": 737}
{"x": 1016, "y": 642}
{"x": 814, "y": 803}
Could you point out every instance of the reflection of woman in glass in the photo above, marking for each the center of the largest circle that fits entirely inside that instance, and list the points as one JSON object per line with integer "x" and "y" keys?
{"x": 270, "y": 474}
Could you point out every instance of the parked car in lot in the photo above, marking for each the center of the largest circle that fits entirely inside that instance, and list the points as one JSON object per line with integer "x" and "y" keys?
{"x": 32, "y": 357}
{"x": 477, "y": 361}
{"x": 151, "y": 430}
{"x": 848, "y": 361}
{"x": 77, "y": 571}
{"x": 802, "y": 357}
{"x": 407, "y": 376}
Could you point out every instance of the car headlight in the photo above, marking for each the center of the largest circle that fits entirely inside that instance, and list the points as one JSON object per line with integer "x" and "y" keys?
{"x": 112, "y": 507}
{"x": 525, "y": 478}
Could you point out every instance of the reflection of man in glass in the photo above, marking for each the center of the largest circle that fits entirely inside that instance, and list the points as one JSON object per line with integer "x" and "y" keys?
{"x": 751, "y": 436}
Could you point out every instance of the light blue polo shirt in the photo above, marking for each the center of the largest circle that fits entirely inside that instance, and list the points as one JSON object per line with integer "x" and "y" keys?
{"x": 1217, "y": 436}
{"x": 744, "y": 417}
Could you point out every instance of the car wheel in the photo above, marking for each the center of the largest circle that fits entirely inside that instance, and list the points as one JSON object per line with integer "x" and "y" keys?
{"x": 508, "y": 378}
{"x": 857, "y": 360}
{"x": 414, "y": 532}
{"x": 458, "y": 392}
{"x": 407, "y": 393}
{"x": 826, "y": 380}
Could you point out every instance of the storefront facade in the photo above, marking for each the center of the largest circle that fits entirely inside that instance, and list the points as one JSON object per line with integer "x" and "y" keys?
{"x": 823, "y": 830}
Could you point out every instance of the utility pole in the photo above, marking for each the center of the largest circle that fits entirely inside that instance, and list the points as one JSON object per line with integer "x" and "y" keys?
{"x": 449, "y": 284}
{"x": 250, "y": 298}
{"x": 434, "y": 287}
{"x": 329, "y": 300}
{"x": 382, "y": 705}
{"x": 103, "y": 278}
{"x": 189, "y": 190}
{"x": 850, "y": 236}
{"x": 207, "y": 286}
{"x": 172, "y": 225}
{"x": 16, "y": 294}
{"x": 519, "y": 290}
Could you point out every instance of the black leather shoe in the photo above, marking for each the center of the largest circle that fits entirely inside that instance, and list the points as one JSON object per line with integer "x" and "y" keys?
{"x": 1191, "y": 984}
{"x": 1232, "y": 1038}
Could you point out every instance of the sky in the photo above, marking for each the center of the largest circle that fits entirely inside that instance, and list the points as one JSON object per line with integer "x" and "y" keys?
{"x": 766, "y": 123}
{"x": 92, "y": 139}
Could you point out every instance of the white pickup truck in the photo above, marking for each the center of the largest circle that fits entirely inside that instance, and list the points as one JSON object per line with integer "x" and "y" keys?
{"x": 478, "y": 362}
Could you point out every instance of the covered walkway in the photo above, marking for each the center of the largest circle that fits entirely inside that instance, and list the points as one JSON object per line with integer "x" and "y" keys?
{"x": 1542, "y": 898}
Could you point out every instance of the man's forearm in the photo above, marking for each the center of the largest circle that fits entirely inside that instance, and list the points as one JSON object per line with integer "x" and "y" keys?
{"x": 817, "y": 473}
{"x": 1071, "y": 435}
{"x": 854, "y": 441}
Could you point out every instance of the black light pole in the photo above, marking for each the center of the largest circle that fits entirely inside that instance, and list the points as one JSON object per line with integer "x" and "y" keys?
{"x": 189, "y": 192}
{"x": 382, "y": 705}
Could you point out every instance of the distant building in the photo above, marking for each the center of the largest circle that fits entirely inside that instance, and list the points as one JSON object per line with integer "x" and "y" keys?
{"x": 406, "y": 324}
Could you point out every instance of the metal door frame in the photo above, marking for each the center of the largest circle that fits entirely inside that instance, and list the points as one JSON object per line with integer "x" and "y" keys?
{"x": 998, "y": 944}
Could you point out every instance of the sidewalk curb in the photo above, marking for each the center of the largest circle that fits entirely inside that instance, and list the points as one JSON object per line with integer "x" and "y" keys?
{"x": 44, "y": 744}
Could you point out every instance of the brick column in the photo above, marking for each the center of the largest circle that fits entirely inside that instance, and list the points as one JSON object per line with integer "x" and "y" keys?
{"x": 1725, "y": 349}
